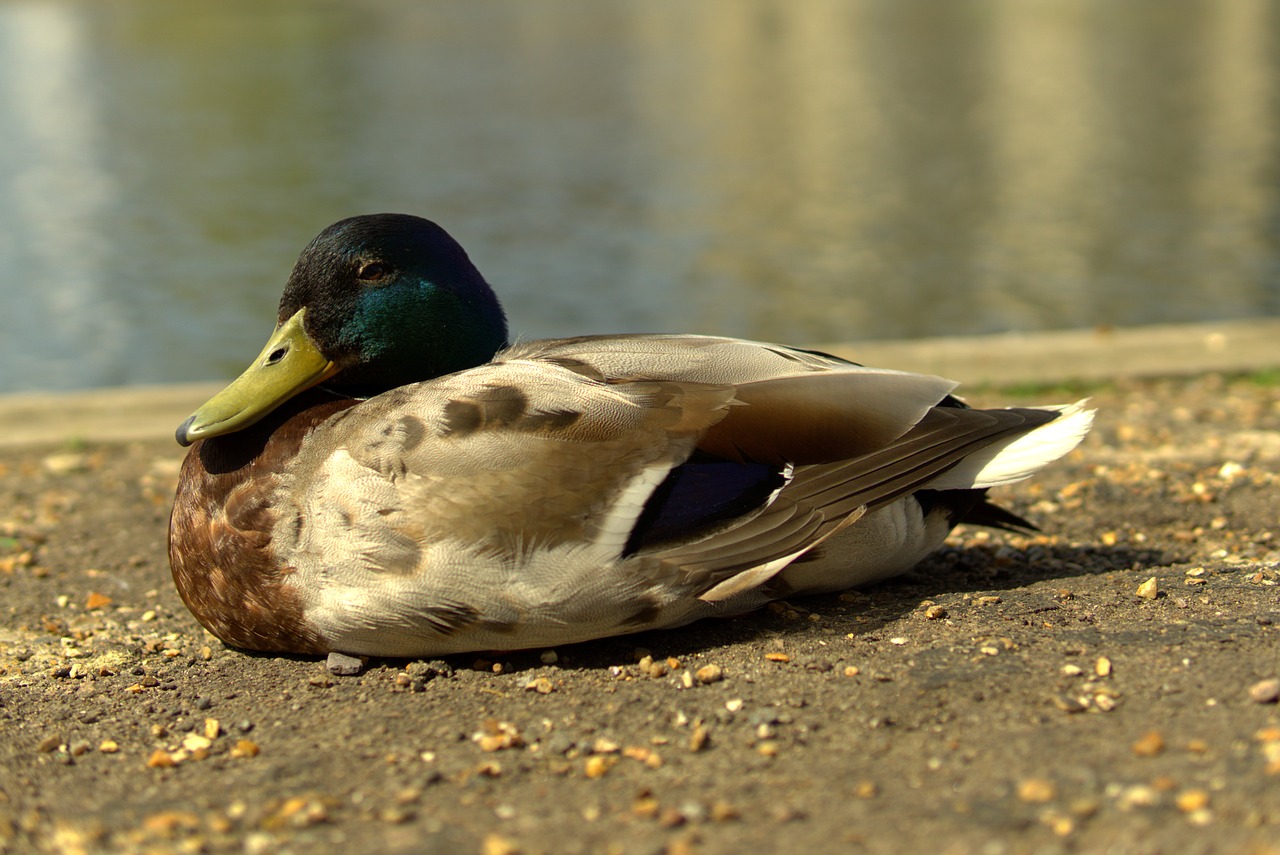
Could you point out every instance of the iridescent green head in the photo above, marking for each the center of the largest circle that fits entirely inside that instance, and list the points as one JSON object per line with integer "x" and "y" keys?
{"x": 373, "y": 303}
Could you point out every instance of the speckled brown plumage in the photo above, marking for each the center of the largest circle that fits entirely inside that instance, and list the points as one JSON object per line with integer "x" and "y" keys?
{"x": 220, "y": 531}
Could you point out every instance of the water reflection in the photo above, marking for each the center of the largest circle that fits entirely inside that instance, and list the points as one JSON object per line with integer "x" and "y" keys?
{"x": 812, "y": 172}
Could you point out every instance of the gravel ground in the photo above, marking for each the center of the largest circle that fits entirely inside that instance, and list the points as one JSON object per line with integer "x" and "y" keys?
{"x": 1109, "y": 685}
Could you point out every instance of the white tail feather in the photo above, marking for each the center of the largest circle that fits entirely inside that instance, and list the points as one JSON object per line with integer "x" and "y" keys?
{"x": 1022, "y": 456}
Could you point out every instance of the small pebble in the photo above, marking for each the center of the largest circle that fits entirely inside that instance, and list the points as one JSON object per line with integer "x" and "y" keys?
{"x": 935, "y": 613}
{"x": 1201, "y": 817}
{"x": 541, "y": 685}
{"x": 49, "y": 743}
{"x": 496, "y": 844}
{"x": 1084, "y": 808}
{"x": 342, "y": 665}
{"x": 1068, "y": 704}
{"x": 245, "y": 748}
{"x": 1058, "y": 823}
{"x": 1265, "y": 691}
{"x": 196, "y": 742}
{"x": 396, "y": 815}
{"x": 1189, "y": 801}
{"x": 1138, "y": 795}
{"x": 97, "y": 601}
{"x": 710, "y": 674}
{"x": 495, "y": 735}
{"x": 1148, "y": 590}
{"x": 1037, "y": 791}
{"x": 161, "y": 759}
{"x": 598, "y": 765}
{"x": 1150, "y": 744}
{"x": 672, "y": 818}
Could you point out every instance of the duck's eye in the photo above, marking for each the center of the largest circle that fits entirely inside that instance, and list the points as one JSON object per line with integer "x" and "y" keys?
{"x": 372, "y": 271}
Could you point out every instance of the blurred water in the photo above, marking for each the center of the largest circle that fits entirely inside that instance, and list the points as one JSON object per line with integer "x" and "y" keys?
{"x": 806, "y": 172}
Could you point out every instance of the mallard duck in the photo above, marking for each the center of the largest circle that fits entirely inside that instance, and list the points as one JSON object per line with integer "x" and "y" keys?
{"x": 392, "y": 477}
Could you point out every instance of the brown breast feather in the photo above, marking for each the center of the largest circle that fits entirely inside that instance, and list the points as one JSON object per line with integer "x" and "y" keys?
{"x": 220, "y": 531}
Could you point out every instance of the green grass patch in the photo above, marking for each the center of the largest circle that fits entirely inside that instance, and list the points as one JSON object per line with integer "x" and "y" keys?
{"x": 1266, "y": 377}
{"x": 1060, "y": 388}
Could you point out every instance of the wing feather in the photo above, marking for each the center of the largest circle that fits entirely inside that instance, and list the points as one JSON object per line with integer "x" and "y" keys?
{"x": 564, "y": 443}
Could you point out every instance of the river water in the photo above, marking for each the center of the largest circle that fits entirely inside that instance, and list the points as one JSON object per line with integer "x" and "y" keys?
{"x": 809, "y": 172}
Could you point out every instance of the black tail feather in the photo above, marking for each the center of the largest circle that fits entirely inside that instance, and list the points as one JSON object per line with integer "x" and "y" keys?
{"x": 972, "y": 507}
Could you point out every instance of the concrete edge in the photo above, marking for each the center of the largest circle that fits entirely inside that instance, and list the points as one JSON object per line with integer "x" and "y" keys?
{"x": 1166, "y": 350}
{"x": 153, "y": 412}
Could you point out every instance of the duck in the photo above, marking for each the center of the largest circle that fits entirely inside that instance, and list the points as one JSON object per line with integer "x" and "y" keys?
{"x": 392, "y": 476}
